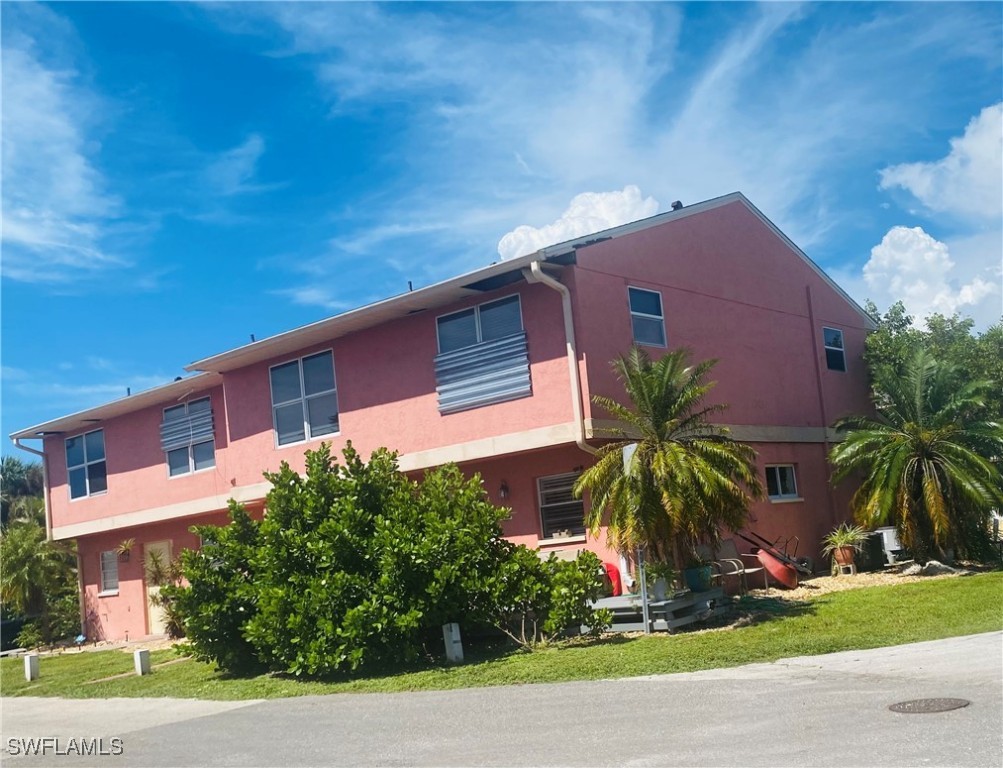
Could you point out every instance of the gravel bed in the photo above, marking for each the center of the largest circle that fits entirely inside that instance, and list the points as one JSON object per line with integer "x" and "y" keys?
{"x": 816, "y": 586}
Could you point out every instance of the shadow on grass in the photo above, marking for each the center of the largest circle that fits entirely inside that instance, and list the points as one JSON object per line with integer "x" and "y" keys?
{"x": 745, "y": 611}
{"x": 749, "y": 610}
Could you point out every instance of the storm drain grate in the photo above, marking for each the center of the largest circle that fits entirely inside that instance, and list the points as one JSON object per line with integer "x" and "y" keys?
{"x": 921, "y": 706}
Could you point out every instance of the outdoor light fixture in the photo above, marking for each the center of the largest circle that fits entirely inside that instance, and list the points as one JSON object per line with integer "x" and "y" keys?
{"x": 503, "y": 490}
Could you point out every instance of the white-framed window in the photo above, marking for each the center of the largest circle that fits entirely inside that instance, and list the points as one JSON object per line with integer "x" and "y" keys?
{"x": 304, "y": 398}
{"x": 561, "y": 514}
{"x": 647, "y": 319}
{"x": 835, "y": 355}
{"x": 87, "y": 473}
{"x": 189, "y": 423}
{"x": 476, "y": 325}
{"x": 781, "y": 482}
{"x": 109, "y": 571}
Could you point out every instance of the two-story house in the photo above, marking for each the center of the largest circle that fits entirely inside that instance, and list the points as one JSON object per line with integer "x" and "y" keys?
{"x": 493, "y": 370}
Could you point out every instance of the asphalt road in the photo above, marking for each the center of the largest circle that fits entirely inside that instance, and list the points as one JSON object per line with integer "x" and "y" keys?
{"x": 810, "y": 711}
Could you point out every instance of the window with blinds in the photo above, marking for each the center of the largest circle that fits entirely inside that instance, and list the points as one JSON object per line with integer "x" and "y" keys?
{"x": 561, "y": 514}
{"x": 483, "y": 356}
{"x": 109, "y": 571}
{"x": 187, "y": 438}
{"x": 486, "y": 322}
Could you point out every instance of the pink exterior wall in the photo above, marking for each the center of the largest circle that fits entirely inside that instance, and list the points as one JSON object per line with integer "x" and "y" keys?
{"x": 137, "y": 468}
{"x": 520, "y": 473}
{"x": 386, "y": 390}
{"x": 731, "y": 289}
{"x": 386, "y": 395}
{"x": 123, "y": 615}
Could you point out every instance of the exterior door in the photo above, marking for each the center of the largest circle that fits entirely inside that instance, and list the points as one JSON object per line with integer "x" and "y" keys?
{"x": 156, "y": 558}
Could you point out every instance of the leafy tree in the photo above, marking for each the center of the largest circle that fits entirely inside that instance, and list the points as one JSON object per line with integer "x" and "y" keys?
{"x": 319, "y": 609}
{"x": 890, "y": 349}
{"x": 686, "y": 478}
{"x": 927, "y": 458}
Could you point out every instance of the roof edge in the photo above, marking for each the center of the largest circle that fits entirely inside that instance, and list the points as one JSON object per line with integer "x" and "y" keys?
{"x": 123, "y": 405}
{"x": 258, "y": 349}
{"x": 868, "y": 320}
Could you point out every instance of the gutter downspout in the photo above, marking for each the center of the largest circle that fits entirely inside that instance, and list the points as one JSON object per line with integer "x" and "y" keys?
{"x": 45, "y": 483}
{"x": 536, "y": 275}
{"x": 830, "y": 499}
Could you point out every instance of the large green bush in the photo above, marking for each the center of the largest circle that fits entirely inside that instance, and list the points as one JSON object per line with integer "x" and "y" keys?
{"x": 354, "y": 565}
{"x": 221, "y": 594}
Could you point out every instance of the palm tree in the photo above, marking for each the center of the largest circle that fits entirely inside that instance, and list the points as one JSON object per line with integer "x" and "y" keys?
{"x": 18, "y": 480}
{"x": 684, "y": 480}
{"x": 927, "y": 459}
{"x": 31, "y": 568}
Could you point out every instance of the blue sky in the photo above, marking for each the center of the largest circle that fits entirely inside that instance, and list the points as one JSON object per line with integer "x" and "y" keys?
{"x": 177, "y": 177}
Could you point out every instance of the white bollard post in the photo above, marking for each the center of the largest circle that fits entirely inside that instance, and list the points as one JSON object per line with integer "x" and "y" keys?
{"x": 142, "y": 660}
{"x": 31, "y": 667}
{"x": 454, "y": 645}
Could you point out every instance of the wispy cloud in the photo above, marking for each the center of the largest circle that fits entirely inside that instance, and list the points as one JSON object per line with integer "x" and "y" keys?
{"x": 234, "y": 171}
{"x": 65, "y": 388}
{"x": 57, "y": 208}
{"x": 315, "y": 297}
{"x": 503, "y": 115}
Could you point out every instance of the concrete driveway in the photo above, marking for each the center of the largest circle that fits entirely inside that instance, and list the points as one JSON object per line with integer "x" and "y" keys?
{"x": 810, "y": 711}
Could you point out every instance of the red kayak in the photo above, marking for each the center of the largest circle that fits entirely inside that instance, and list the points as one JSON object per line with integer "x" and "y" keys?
{"x": 783, "y": 574}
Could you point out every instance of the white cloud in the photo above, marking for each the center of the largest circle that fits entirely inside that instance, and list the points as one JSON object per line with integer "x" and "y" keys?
{"x": 317, "y": 297}
{"x": 233, "y": 172}
{"x": 502, "y": 116}
{"x": 911, "y": 266}
{"x": 588, "y": 212}
{"x": 56, "y": 206}
{"x": 968, "y": 182}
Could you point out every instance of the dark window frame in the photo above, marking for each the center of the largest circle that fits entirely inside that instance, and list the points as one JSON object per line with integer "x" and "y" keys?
{"x": 87, "y": 466}
{"x": 647, "y": 317}
{"x": 776, "y": 483}
{"x": 835, "y": 355}
{"x": 304, "y": 399}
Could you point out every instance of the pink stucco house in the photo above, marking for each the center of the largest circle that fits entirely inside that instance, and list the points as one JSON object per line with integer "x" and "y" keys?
{"x": 493, "y": 370}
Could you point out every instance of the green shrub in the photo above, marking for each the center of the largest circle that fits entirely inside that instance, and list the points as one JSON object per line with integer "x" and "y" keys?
{"x": 537, "y": 601}
{"x": 221, "y": 595}
{"x": 355, "y": 566}
{"x": 30, "y": 636}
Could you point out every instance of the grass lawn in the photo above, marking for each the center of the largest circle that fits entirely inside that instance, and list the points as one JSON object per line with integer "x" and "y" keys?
{"x": 839, "y": 621}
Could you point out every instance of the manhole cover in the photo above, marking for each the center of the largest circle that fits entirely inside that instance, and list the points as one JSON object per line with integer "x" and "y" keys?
{"x": 919, "y": 706}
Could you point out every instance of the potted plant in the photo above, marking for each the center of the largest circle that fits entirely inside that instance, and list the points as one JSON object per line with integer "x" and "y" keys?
{"x": 659, "y": 576}
{"x": 698, "y": 575}
{"x": 842, "y": 543}
{"x": 124, "y": 549}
